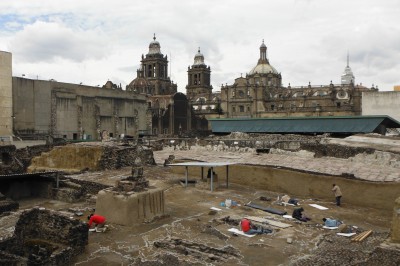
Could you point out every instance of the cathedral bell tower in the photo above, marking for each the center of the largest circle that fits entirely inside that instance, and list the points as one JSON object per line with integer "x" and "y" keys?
{"x": 152, "y": 77}
{"x": 199, "y": 78}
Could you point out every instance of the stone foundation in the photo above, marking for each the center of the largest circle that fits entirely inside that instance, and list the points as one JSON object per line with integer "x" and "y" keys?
{"x": 132, "y": 207}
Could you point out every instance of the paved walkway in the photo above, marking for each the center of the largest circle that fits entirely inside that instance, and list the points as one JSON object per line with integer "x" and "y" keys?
{"x": 327, "y": 165}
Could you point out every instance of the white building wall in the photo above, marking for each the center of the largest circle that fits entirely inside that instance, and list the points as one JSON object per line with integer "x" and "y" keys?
{"x": 381, "y": 103}
{"x": 6, "y": 120}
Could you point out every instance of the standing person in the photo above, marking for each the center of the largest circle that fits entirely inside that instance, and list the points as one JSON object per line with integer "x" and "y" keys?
{"x": 338, "y": 193}
{"x": 98, "y": 221}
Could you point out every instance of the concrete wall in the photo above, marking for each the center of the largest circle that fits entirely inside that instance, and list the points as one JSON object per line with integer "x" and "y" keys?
{"x": 381, "y": 103}
{"x": 75, "y": 111}
{"x": 6, "y": 120}
{"x": 305, "y": 185}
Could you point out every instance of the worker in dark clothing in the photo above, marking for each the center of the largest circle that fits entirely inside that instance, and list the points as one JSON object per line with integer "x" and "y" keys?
{"x": 298, "y": 214}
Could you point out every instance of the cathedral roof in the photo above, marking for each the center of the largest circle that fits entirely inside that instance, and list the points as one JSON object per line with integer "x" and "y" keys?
{"x": 263, "y": 66}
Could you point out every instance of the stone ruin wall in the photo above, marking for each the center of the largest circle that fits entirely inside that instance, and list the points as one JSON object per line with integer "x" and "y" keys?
{"x": 73, "y": 190}
{"x": 19, "y": 159}
{"x": 114, "y": 158}
{"x": 298, "y": 145}
{"x": 80, "y": 157}
{"x": 43, "y": 237}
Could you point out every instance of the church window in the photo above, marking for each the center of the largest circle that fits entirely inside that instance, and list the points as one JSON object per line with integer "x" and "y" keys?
{"x": 241, "y": 94}
{"x": 165, "y": 130}
{"x": 233, "y": 109}
{"x": 248, "y": 108}
{"x": 241, "y": 108}
{"x": 338, "y": 104}
{"x": 272, "y": 107}
{"x": 195, "y": 79}
{"x": 154, "y": 71}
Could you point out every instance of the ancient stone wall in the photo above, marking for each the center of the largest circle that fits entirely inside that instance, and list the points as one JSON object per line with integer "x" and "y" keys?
{"x": 16, "y": 161}
{"x": 73, "y": 190}
{"x": 43, "y": 237}
{"x": 74, "y": 158}
{"x": 114, "y": 158}
{"x": 333, "y": 150}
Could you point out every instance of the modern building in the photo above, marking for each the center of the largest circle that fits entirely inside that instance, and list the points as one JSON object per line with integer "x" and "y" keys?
{"x": 75, "y": 111}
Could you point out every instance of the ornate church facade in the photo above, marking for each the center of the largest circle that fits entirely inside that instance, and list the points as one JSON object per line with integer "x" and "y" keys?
{"x": 261, "y": 94}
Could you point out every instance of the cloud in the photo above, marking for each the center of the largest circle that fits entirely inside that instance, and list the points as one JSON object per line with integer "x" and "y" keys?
{"x": 48, "y": 41}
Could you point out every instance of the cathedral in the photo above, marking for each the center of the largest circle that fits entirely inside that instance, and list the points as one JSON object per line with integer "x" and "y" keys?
{"x": 260, "y": 94}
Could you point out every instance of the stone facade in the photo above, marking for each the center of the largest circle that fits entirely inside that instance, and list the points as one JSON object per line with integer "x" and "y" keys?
{"x": 6, "y": 100}
{"x": 171, "y": 115}
{"x": 261, "y": 94}
{"x": 76, "y": 111}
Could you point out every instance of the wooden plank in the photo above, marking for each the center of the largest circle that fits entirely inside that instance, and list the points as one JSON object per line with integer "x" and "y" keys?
{"x": 318, "y": 206}
{"x": 270, "y": 222}
{"x": 238, "y": 232}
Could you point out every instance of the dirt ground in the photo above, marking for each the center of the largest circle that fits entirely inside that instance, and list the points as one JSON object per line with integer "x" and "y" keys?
{"x": 189, "y": 234}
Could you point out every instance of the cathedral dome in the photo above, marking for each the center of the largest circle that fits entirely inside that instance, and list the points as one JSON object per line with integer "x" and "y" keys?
{"x": 263, "y": 68}
{"x": 154, "y": 47}
{"x": 198, "y": 59}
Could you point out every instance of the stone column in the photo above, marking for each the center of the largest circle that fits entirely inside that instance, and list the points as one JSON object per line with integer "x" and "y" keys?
{"x": 395, "y": 232}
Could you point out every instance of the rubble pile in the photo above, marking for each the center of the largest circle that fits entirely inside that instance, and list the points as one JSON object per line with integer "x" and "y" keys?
{"x": 337, "y": 250}
{"x": 136, "y": 182}
{"x": 198, "y": 251}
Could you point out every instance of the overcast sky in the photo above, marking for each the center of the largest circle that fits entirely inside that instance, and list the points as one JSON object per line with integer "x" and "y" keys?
{"x": 94, "y": 41}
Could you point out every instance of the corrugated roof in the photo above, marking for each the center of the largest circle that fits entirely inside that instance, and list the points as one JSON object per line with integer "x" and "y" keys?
{"x": 330, "y": 124}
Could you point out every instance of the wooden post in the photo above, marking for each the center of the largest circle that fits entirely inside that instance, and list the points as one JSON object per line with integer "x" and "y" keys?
{"x": 187, "y": 173}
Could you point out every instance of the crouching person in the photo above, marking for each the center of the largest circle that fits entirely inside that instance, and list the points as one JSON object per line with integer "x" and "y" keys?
{"x": 98, "y": 221}
{"x": 328, "y": 222}
{"x": 298, "y": 214}
{"x": 249, "y": 229}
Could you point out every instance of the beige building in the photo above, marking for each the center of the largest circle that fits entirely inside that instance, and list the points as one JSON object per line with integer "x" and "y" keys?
{"x": 381, "y": 103}
{"x": 6, "y": 114}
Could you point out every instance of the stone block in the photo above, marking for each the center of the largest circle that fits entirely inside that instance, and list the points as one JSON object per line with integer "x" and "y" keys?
{"x": 130, "y": 209}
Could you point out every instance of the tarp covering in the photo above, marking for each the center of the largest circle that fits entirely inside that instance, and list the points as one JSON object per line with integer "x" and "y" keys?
{"x": 331, "y": 124}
